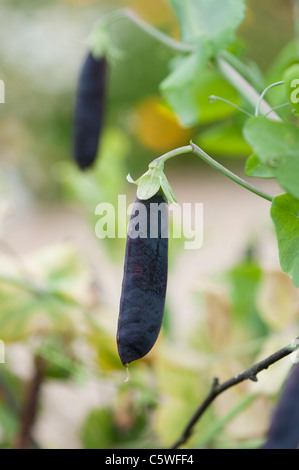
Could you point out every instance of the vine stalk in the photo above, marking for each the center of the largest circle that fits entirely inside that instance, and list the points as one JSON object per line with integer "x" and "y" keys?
{"x": 131, "y": 15}
{"x": 193, "y": 148}
{"x": 244, "y": 87}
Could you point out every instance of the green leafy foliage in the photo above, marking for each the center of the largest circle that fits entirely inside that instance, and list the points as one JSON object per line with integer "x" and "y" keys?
{"x": 219, "y": 424}
{"x": 285, "y": 215}
{"x": 105, "y": 428}
{"x": 245, "y": 279}
{"x": 60, "y": 361}
{"x": 254, "y": 167}
{"x": 104, "y": 345}
{"x": 49, "y": 305}
{"x": 189, "y": 96}
{"x": 286, "y": 56}
{"x": 213, "y": 22}
{"x": 271, "y": 139}
{"x": 8, "y": 424}
{"x": 276, "y": 145}
{"x": 98, "y": 430}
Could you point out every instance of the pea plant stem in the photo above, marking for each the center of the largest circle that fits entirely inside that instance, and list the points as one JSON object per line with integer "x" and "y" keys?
{"x": 174, "y": 153}
{"x": 214, "y": 98}
{"x": 257, "y": 109}
{"x": 244, "y": 87}
{"x": 217, "y": 388}
{"x": 131, "y": 15}
{"x": 217, "y": 166}
{"x": 192, "y": 148}
{"x": 227, "y": 69}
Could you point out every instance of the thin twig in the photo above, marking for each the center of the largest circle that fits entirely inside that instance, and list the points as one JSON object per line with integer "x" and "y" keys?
{"x": 132, "y": 16}
{"x": 263, "y": 94}
{"x": 217, "y": 388}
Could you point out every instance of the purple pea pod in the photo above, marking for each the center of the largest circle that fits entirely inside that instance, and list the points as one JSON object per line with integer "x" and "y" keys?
{"x": 284, "y": 428}
{"x": 89, "y": 110}
{"x": 145, "y": 279}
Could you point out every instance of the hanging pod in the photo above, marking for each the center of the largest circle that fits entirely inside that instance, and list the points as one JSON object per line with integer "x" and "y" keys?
{"x": 145, "y": 279}
{"x": 284, "y": 428}
{"x": 89, "y": 110}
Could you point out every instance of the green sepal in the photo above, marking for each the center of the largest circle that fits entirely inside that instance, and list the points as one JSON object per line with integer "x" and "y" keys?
{"x": 167, "y": 190}
{"x": 101, "y": 45}
{"x": 150, "y": 183}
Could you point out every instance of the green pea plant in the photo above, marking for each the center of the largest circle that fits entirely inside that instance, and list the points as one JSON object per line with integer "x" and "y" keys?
{"x": 205, "y": 46}
{"x": 51, "y": 304}
{"x": 206, "y": 55}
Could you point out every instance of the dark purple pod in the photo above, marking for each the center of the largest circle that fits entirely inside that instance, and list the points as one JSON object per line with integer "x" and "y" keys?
{"x": 145, "y": 279}
{"x": 89, "y": 110}
{"x": 284, "y": 428}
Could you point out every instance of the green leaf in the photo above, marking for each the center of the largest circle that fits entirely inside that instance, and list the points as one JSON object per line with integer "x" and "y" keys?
{"x": 213, "y": 21}
{"x": 276, "y": 145}
{"x": 53, "y": 304}
{"x": 254, "y": 167}
{"x": 180, "y": 88}
{"x": 285, "y": 215}
{"x": 188, "y": 87}
{"x": 271, "y": 140}
{"x": 288, "y": 174}
{"x": 244, "y": 279}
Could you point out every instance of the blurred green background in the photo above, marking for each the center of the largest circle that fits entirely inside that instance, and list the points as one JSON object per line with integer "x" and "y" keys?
{"x": 60, "y": 285}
